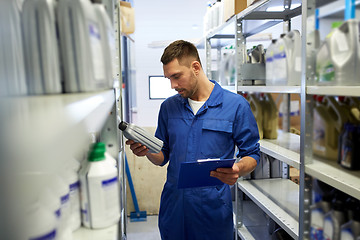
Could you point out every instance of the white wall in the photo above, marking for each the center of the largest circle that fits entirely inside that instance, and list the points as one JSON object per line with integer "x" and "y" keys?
{"x": 160, "y": 20}
{"x": 167, "y": 20}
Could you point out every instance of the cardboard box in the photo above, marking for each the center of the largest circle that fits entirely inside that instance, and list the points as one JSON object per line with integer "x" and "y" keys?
{"x": 127, "y": 18}
{"x": 232, "y": 7}
{"x": 294, "y": 175}
{"x": 240, "y": 5}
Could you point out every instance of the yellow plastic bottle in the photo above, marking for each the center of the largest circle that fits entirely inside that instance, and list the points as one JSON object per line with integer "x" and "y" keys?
{"x": 329, "y": 119}
{"x": 257, "y": 111}
{"x": 270, "y": 117}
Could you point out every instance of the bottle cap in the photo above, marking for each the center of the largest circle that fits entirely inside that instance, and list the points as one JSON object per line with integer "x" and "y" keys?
{"x": 123, "y": 125}
{"x": 100, "y": 145}
{"x": 336, "y": 24}
{"x": 97, "y": 154}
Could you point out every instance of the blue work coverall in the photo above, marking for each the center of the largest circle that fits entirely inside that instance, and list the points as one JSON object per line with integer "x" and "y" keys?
{"x": 225, "y": 120}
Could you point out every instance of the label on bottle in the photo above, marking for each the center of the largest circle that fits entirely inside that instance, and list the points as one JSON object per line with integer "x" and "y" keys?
{"x": 317, "y": 222}
{"x": 280, "y": 62}
{"x": 48, "y": 236}
{"x": 97, "y": 53}
{"x": 328, "y": 229}
{"x": 110, "y": 192}
{"x": 316, "y": 233}
{"x": 347, "y": 234}
{"x": 346, "y": 148}
{"x": 325, "y": 71}
{"x": 319, "y": 134}
{"x": 75, "y": 204}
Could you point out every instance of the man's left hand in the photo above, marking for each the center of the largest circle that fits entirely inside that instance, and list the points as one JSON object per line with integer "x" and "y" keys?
{"x": 227, "y": 175}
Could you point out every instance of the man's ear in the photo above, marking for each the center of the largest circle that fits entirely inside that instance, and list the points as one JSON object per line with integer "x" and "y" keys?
{"x": 196, "y": 67}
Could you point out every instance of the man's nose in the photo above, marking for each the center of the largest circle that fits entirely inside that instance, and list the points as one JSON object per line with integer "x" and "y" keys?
{"x": 173, "y": 84}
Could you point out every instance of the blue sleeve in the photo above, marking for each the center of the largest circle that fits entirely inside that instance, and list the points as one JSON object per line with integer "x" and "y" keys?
{"x": 162, "y": 134}
{"x": 246, "y": 133}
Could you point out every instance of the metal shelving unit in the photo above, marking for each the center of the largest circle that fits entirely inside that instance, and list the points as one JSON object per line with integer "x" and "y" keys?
{"x": 269, "y": 89}
{"x": 334, "y": 90}
{"x": 52, "y": 126}
{"x": 330, "y": 172}
{"x": 278, "y": 198}
{"x": 291, "y": 149}
{"x": 285, "y": 148}
{"x": 46, "y": 129}
{"x": 311, "y": 166}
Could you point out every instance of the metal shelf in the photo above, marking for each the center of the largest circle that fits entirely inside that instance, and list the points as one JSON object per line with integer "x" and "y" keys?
{"x": 261, "y": 20}
{"x": 334, "y": 9}
{"x": 286, "y": 148}
{"x": 270, "y": 89}
{"x": 258, "y": 10}
{"x": 51, "y": 126}
{"x": 110, "y": 233}
{"x": 278, "y": 198}
{"x": 244, "y": 233}
{"x": 334, "y": 90}
{"x": 333, "y": 174}
{"x": 225, "y": 29}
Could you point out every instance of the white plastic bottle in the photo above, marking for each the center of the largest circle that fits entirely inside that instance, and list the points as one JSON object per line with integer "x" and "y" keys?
{"x": 345, "y": 45}
{"x": 12, "y": 69}
{"x": 41, "y": 223}
{"x": 318, "y": 211}
{"x": 293, "y": 57}
{"x": 325, "y": 69}
{"x": 108, "y": 42}
{"x": 53, "y": 203}
{"x": 72, "y": 180}
{"x": 270, "y": 63}
{"x": 334, "y": 219}
{"x": 81, "y": 47}
{"x": 36, "y": 216}
{"x": 41, "y": 47}
{"x": 351, "y": 229}
{"x": 313, "y": 36}
{"x": 280, "y": 70}
{"x": 99, "y": 191}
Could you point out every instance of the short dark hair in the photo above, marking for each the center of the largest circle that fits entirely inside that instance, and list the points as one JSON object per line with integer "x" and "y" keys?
{"x": 182, "y": 51}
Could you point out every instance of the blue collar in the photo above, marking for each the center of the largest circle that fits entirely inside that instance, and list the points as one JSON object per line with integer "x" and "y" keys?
{"x": 215, "y": 99}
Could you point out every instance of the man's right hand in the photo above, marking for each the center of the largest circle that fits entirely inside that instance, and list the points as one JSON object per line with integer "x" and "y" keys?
{"x": 137, "y": 148}
{"x": 140, "y": 150}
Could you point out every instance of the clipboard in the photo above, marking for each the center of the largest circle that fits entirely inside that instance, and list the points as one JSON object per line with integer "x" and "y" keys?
{"x": 197, "y": 174}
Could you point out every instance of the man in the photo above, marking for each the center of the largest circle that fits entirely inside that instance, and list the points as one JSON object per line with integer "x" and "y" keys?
{"x": 201, "y": 121}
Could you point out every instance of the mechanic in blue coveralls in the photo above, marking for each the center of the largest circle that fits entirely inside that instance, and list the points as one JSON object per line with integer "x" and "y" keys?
{"x": 202, "y": 121}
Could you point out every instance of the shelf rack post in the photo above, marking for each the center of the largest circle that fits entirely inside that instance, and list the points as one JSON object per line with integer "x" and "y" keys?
{"x": 208, "y": 57}
{"x": 286, "y": 100}
{"x": 119, "y": 111}
{"x": 238, "y": 208}
{"x": 307, "y": 76}
{"x": 240, "y": 51}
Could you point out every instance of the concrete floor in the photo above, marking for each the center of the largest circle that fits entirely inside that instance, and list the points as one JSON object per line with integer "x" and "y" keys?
{"x": 254, "y": 219}
{"x": 147, "y": 230}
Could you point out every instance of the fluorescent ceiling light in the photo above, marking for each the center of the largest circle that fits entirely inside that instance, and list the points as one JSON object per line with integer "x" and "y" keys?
{"x": 281, "y": 8}
{"x": 275, "y": 9}
{"x": 295, "y": 5}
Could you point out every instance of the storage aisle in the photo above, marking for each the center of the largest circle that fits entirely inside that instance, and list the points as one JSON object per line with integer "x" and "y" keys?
{"x": 147, "y": 230}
